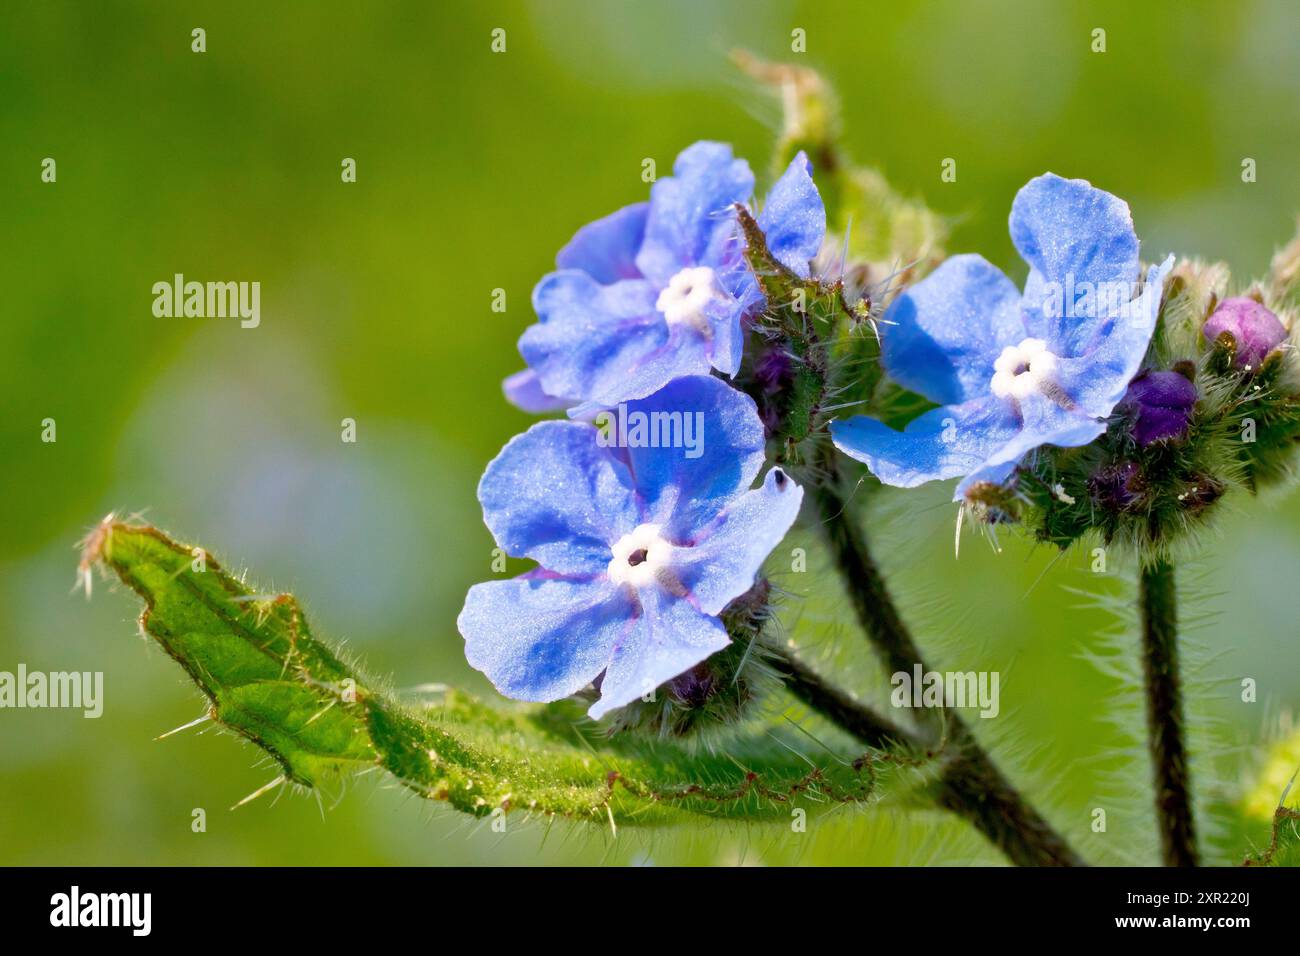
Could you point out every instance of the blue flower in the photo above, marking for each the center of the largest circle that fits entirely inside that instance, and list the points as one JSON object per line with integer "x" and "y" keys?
{"x": 1015, "y": 371}
{"x": 639, "y": 548}
{"x": 659, "y": 290}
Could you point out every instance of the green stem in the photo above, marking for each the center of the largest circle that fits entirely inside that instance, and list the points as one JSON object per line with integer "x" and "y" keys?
{"x": 839, "y": 708}
{"x": 970, "y": 785}
{"x": 1158, "y": 598}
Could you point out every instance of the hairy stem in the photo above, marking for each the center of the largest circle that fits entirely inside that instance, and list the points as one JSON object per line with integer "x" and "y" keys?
{"x": 838, "y": 707}
{"x": 971, "y": 785}
{"x": 1158, "y": 599}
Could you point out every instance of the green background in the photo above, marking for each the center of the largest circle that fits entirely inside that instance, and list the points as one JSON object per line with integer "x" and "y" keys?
{"x": 473, "y": 169}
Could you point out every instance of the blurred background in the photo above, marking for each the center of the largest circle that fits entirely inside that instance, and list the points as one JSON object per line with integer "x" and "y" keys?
{"x": 473, "y": 168}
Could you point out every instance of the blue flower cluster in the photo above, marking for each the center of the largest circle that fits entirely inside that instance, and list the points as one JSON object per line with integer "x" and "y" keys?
{"x": 644, "y": 529}
{"x": 640, "y": 541}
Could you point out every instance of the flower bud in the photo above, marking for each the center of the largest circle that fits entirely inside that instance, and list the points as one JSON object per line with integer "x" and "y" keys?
{"x": 1254, "y": 329}
{"x": 773, "y": 369}
{"x": 695, "y": 687}
{"x": 1201, "y": 492}
{"x": 1285, "y": 268}
{"x": 1162, "y": 403}
{"x": 1116, "y": 487}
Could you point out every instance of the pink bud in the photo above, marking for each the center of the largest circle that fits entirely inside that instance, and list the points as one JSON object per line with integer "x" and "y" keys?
{"x": 1254, "y": 329}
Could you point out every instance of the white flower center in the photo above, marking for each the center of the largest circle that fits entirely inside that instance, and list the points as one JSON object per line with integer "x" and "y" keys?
{"x": 686, "y": 296}
{"x": 639, "y": 556}
{"x": 1021, "y": 370}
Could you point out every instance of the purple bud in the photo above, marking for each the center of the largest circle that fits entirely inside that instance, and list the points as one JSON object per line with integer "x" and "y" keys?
{"x": 773, "y": 373}
{"x": 1255, "y": 330}
{"x": 773, "y": 369}
{"x": 695, "y": 686}
{"x": 1117, "y": 486}
{"x": 1163, "y": 404}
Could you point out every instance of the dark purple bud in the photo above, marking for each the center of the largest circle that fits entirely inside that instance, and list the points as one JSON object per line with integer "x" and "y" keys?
{"x": 773, "y": 369}
{"x": 695, "y": 686}
{"x": 773, "y": 374}
{"x": 1162, "y": 402}
{"x": 1116, "y": 487}
{"x": 1255, "y": 330}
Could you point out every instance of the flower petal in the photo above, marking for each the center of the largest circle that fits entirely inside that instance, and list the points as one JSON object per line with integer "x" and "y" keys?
{"x": 943, "y": 443}
{"x": 555, "y": 496}
{"x": 606, "y": 343}
{"x": 1098, "y": 379}
{"x": 606, "y": 249}
{"x": 543, "y": 639}
{"x": 941, "y": 337}
{"x": 690, "y": 219}
{"x": 793, "y": 218}
{"x": 726, "y": 336}
{"x": 1043, "y": 422}
{"x": 724, "y": 557}
{"x": 667, "y": 638}
{"x": 524, "y": 391}
{"x": 1072, "y": 233}
{"x": 683, "y": 486}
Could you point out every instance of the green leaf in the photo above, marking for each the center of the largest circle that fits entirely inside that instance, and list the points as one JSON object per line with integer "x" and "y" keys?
{"x": 269, "y": 679}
